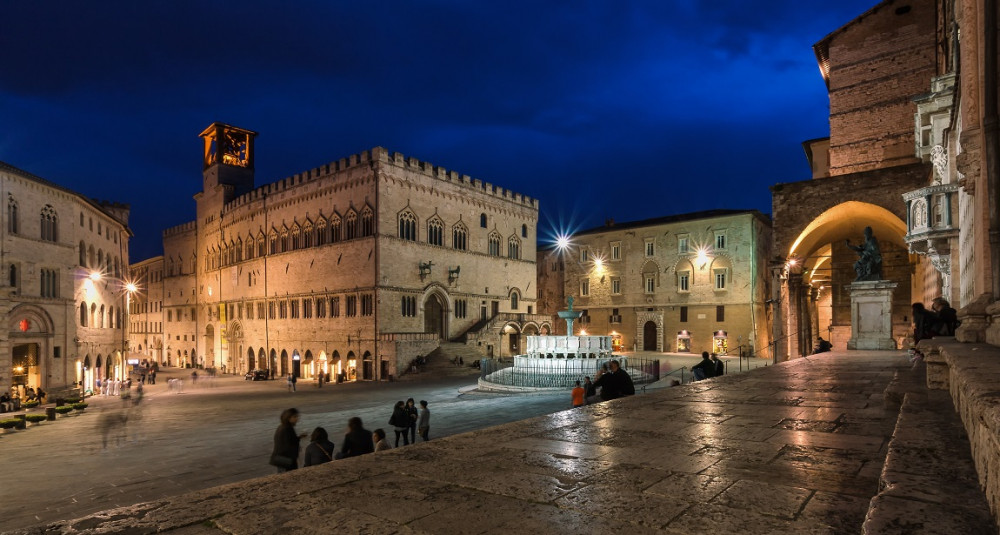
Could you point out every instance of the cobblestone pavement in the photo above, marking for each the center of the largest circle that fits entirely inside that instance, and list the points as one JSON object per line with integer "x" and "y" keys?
{"x": 793, "y": 448}
{"x": 213, "y": 433}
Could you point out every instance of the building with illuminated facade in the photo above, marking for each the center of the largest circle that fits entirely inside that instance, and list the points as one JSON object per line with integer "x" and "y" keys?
{"x": 682, "y": 283}
{"x": 145, "y": 332}
{"x": 63, "y": 258}
{"x": 353, "y": 268}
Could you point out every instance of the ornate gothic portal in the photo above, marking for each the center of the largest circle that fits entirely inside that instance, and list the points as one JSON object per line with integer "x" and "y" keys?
{"x": 434, "y": 316}
{"x": 649, "y": 331}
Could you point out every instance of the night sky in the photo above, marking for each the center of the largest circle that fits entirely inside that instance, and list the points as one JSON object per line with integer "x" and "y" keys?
{"x": 624, "y": 110}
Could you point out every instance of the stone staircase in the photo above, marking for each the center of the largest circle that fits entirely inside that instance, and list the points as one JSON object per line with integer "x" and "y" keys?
{"x": 443, "y": 361}
{"x": 928, "y": 482}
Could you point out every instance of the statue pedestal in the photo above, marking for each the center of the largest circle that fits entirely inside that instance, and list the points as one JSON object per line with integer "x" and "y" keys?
{"x": 871, "y": 315}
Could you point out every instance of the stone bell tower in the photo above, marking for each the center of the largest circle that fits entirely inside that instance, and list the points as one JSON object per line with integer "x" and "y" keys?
{"x": 228, "y": 160}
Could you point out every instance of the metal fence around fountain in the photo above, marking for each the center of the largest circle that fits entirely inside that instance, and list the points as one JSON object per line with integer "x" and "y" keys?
{"x": 502, "y": 372}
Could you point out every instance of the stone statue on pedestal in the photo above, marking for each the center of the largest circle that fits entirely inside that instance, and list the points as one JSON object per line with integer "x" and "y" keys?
{"x": 869, "y": 265}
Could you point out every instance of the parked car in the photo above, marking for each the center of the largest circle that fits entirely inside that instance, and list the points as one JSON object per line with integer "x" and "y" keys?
{"x": 256, "y": 375}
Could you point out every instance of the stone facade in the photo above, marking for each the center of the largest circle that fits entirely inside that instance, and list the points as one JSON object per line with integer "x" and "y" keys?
{"x": 687, "y": 283}
{"x": 355, "y": 267}
{"x": 145, "y": 333}
{"x": 63, "y": 298}
{"x": 859, "y": 177}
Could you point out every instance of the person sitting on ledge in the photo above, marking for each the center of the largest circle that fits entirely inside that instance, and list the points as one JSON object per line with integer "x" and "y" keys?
{"x": 704, "y": 369}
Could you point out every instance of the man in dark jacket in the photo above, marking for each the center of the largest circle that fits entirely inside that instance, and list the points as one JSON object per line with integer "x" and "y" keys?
{"x": 614, "y": 383}
{"x": 720, "y": 367}
{"x": 704, "y": 369}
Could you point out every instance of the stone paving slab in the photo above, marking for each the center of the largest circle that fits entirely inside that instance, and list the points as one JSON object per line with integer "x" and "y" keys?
{"x": 791, "y": 448}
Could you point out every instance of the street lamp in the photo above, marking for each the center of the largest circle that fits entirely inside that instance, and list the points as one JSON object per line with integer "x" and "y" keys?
{"x": 127, "y": 288}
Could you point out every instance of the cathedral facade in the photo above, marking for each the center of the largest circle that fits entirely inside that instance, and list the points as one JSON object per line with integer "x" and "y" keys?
{"x": 352, "y": 269}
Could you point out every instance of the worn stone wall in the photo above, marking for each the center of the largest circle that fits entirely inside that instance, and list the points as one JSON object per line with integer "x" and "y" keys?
{"x": 877, "y": 64}
{"x": 89, "y": 239}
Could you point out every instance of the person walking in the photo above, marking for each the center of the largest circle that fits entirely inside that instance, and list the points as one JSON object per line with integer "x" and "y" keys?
{"x": 285, "y": 455}
{"x": 381, "y": 444}
{"x": 400, "y": 422}
{"x": 320, "y": 449}
{"x": 578, "y": 394}
{"x": 357, "y": 441}
{"x": 424, "y": 423}
{"x": 411, "y": 411}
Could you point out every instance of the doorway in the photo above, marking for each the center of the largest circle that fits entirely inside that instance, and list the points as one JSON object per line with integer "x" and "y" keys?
{"x": 649, "y": 336}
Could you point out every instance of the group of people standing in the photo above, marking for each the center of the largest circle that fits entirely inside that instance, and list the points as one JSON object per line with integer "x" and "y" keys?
{"x": 406, "y": 420}
{"x": 940, "y": 320}
{"x": 357, "y": 439}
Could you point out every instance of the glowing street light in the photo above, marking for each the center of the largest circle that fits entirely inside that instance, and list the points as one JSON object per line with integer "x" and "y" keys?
{"x": 562, "y": 242}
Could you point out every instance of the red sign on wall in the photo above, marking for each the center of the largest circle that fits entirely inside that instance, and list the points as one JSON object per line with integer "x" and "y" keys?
{"x": 24, "y": 325}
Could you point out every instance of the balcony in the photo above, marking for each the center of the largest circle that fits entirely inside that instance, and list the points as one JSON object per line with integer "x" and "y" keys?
{"x": 931, "y": 222}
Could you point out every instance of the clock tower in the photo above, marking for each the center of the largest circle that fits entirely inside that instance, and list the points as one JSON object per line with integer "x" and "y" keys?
{"x": 228, "y": 160}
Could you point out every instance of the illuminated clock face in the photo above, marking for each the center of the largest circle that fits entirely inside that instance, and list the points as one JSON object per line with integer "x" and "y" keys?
{"x": 24, "y": 325}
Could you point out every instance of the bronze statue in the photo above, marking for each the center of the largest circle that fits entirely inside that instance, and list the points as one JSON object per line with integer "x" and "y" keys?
{"x": 869, "y": 266}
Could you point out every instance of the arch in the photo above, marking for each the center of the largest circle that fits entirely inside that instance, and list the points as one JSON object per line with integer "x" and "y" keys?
{"x": 83, "y": 254}
{"x": 848, "y": 220}
{"x": 494, "y": 243}
{"x": 262, "y": 362}
{"x": 530, "y": 329}
{"x": 407, "y": 225}
{"x": 460, "y": 237}
{"x": 514, "y": 248}
{"x": 351, "y": 225}
{"x": 39, "y": 321}
{"x": 515, "y": 297}
{"x": 368, "y": 366}
{"x": 482, "y": 220}
{"x": 367, "y": 221}
{"x": 436, "y": 305}
{"x": 435, "y": 231}
{"x": 284, "y": 363}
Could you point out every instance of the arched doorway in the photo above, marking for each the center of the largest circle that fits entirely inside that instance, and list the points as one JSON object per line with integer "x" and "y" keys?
{"x": 284, "y": 363}
{"x": 251, "y": 360}
{"x": 435, "y": 315}
{"x": 89, "y": 379}
{"x": 351, "y": 370}
{"x": 273, "y": 363}
{"x": 307, "y": 365}
{"x": 368, "y": 371}
{"x": 296, "y": 363}
{"x": 209, "y": 357}
{"x": 336, "y": 368}
{"x": 649, "y": 336}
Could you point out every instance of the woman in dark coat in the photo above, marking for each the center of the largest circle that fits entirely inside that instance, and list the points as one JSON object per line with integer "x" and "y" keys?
{"x": 285, "y": 455}
{"x": 400, "y": 422}
{"x": 412, "y": 413}
{"x": 320, "y": 449}
{"x": 357, "y": 441}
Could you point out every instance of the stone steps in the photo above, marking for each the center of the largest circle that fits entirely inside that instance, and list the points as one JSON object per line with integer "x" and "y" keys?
{"x": 440, "y": 362}
{"x": 928, "y": 482}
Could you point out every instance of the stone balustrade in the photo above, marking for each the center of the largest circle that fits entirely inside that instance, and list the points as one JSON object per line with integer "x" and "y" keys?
{"x": 568, "y": 346}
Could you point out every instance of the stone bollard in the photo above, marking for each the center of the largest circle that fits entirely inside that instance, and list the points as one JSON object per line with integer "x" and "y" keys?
{"x": 50, "y": 414}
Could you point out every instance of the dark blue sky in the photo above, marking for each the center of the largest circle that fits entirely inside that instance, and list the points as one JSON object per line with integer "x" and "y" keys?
{"x": 605, "y": 109}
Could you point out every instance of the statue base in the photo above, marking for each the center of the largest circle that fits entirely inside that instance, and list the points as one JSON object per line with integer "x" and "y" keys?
{"x": 871, "y": 315}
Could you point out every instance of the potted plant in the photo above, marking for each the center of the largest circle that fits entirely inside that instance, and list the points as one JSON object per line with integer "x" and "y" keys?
{"x": 30, "y": 404}
{"x": 71, "y": 401}
{"x": 9, "y": 425}
{"x": 35, "y": 419}
{"x": 64, "y": 410}
{"x": 79, "y": 406}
